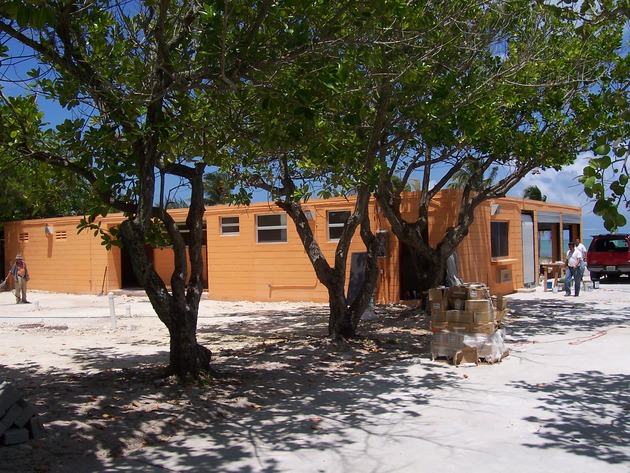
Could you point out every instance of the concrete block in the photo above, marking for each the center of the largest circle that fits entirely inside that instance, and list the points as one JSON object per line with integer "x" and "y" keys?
{"x": 35, "y": 427}
{"x": 8, "y": 396}
{"x": 27, "y": 412}
{"x": 9, "y": 418}
{"x": 14, "y": 435}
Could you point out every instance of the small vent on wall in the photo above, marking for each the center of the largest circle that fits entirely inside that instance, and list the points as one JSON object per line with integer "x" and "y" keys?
{"x": 23, "y": 236}
{"x": 504, "y": 275}
{"x": 61, "y": 235}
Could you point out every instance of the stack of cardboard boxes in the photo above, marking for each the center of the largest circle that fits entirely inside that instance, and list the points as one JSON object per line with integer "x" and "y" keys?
{"x": 465, "y": 324}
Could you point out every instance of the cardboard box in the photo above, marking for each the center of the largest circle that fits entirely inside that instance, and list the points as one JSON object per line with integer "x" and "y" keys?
{"x": 459, "y": 327}
{"x": 488, "y": 329}
{"x": 437, "y": 294}
{"x": 464, "y": 316}
{"x": 479, "y": 305}
{"x": 467, "y": 355}
{"x": 457, "y": 292}
{"x": 477, "y": 292}
{"x": 441, "y": 304}
{"x": 456, "y": 304}
{"x": 483, "y": 317}
{"x": 439, "y": 326}
{"x": 471, "y": 328}
{"x": 501, "y": 303}
{"x": 455, "y": 339}
{"x": 438, "y": 316}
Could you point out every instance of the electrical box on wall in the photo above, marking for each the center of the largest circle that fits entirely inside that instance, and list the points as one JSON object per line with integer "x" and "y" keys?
{"x": 504, "y": 275}
{"x": 381, "y": 236}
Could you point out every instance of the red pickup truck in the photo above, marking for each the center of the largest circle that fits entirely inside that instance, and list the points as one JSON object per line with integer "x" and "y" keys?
{"x": 609, "y": 255}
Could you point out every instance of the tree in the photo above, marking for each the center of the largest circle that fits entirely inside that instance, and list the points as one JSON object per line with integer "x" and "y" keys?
{"x": 217, "y": 188}
{"x": 534, "y": 193}
{"x": 121, "y": 73}
{"x": 470, "y": 175}
{"x": 433, "y": 91}
{"x": 511, "y": 96}
{"x": 305, "y": 138}
{"x": 38, "y": 190}
{"x": 132, "y": 77}
{"x": 147, "y": 83}
{"x": 605, "y": 178}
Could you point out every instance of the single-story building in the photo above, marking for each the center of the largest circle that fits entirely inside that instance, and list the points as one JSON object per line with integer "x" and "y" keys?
{"x": 254, "y": 252}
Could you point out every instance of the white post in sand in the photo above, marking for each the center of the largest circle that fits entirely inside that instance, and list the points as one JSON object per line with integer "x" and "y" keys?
{"x": 112, "y": 309}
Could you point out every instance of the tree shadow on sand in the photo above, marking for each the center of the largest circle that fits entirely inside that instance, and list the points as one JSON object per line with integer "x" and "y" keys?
{"x": 585, "y": 414}
{"x": 116, "y": 402}
{"x": 540, "y": 317}
{"x": 308, "y": 423}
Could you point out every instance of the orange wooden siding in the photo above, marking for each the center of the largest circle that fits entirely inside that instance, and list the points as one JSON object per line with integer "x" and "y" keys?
{"x": 60, "y": 261}
{"x": 240, "y": 268}
{"x": 243, "y": 269}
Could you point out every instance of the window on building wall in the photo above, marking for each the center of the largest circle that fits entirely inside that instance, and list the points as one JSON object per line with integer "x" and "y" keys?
{"x": 230, "y": 226}
{"x": 271, "y": 228}
{"x": 499, "y": 239}
{"x": 336, "y": 221}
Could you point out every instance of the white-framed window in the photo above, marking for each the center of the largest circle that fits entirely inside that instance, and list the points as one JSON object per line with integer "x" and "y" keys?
{"x": 271, "y": 228}
{"x": 336, "y": 220}
{"x": 499, "y": 239}
{"x": 230, "y": 226}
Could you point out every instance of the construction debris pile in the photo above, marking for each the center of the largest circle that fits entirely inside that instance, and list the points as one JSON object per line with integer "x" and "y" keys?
{"x": 18, "y": 419}
{"x": 465, "y": 321}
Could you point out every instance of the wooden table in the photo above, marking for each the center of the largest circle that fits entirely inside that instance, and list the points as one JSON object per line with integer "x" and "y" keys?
{"x": 555, "y": 268}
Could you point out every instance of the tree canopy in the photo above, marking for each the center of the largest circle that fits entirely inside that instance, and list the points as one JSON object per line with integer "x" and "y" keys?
{"x": 300, "y": 99}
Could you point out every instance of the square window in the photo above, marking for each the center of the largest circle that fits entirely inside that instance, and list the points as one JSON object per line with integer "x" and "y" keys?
{"x": 499, "y": 239}
{"x": 271, "y": 228}
{"x": 230, "y": 226}
{"x": 336, "y": 221}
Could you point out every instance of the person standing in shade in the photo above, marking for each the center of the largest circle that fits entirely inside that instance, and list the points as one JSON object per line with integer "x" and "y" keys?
{"x": 572, "y": 265}
{"x": 20, "y": 278}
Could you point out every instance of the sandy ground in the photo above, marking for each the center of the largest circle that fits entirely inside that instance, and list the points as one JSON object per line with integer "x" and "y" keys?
{"x": 96, "y": 382}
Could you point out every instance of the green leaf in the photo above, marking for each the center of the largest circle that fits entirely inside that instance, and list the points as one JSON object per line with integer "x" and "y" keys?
{"x": 590, "y": 182}
{"x": 617, "y": 188}
{"x": 602, "y": 149}
{"x": 601, "y": 206}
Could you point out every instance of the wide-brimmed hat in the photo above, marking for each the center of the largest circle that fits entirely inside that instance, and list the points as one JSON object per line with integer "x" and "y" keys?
{"x": 18, "y": 256}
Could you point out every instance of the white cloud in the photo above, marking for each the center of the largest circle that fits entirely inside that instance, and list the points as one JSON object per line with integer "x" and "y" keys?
{"x": 563, "y": 187}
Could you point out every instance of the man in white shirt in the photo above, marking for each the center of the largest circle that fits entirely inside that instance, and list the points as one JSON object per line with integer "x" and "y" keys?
{"x": 572, "y": 265}
{"x": 582, "y": 248}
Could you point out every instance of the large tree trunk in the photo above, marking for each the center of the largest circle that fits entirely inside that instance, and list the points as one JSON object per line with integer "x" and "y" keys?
{"x": 177, "y": 310}
{"x": 429, "y": 267}
{"x": 344, "y": 318}
{"x": 429, "y": 263}
{"x": 340, "y": 323}
{"x": 187, "y": 359}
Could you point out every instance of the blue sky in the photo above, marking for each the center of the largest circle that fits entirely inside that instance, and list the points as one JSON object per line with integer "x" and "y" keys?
{"x": 564, "y": 188}
{"x": 560, "y": 187}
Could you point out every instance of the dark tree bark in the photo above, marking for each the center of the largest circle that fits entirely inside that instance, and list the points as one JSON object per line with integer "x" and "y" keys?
{"x": 179, "y": 310}
{"x": 344, "y": 318}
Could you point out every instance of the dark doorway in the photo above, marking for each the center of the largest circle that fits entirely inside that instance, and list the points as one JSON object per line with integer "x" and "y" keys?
{"x": 409, "y": 282}
{"x": 357, "y": 275}
{"x": 128, "y": 277}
